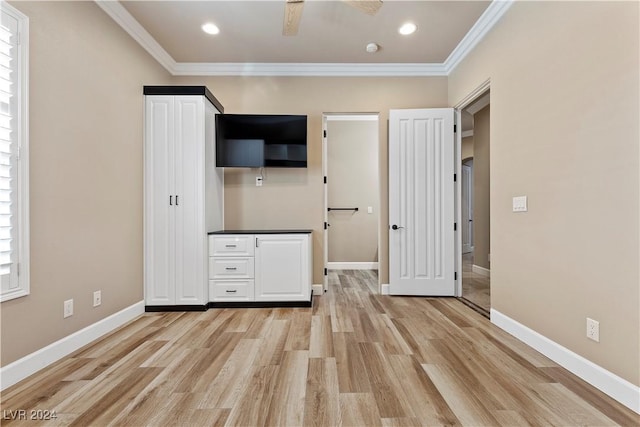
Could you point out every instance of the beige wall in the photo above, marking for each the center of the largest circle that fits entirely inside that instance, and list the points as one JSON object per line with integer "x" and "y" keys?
{"x": 481, "y": 193}
{"x": 85, "y": 135}
{"x": 564, "y": 132}
{"x": 352, "y": 162}
{"x": 294, "y": 198}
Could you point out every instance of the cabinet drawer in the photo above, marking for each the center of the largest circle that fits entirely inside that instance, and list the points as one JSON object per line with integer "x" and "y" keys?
{"x": 231, "y": 245}
{"x": 230, "y": 268}
{"x": 231, "y": 290}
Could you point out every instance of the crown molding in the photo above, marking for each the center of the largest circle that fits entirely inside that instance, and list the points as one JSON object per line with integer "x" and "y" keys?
{"x": 307, "y": 69}
{"x": 118, "y": 13}
{"x": 483, "y": 25}
{"x": 487, "y": 20}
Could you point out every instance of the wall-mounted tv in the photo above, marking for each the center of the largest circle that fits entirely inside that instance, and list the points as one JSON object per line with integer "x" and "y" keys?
{"x": 255, "y": 141}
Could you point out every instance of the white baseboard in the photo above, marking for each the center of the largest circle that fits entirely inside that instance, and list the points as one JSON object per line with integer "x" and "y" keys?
{"x": 617, "y": 388}
{"x": 384, "y": 289}
{"x": 32, "y": 363}
{"x": 352, "y": 265}
{"x": 481, "y": 271}
{"x": 317, "y": 289}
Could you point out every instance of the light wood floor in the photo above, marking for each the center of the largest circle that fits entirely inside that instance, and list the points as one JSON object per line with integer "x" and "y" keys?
{"x": 475, "y": 287}
{"x": 354, "y": 359}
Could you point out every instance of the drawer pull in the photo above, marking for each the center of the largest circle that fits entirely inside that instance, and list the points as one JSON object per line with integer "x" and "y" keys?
{"x": 229, "y": 291}
{"x": 231, "y": 268}
{"x": 230, "y": 246}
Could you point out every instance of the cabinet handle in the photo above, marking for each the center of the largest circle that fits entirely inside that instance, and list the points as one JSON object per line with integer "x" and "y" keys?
{"x": 231, "y": 291}
{"x": 231, "y": 268}
{"x": 170, "y": 200}
{"x": 230, "y": 246}
{"x": 257, "y": 242}
{"x": 176, "y": 200}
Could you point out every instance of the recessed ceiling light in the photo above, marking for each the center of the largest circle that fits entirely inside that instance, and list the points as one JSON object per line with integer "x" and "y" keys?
{"x": 408, "y": 28}
{"x": 210, "y": 28}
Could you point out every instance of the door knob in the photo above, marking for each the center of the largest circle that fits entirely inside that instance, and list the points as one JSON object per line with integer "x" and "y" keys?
{"x": 395, "y": 227}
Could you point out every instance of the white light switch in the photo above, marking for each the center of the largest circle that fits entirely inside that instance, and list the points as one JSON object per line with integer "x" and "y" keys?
{"x": 370, "y": 209}
{"x": 520, "y": 204}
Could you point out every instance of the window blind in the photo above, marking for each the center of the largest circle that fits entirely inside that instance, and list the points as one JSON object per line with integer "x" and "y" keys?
{"x": 8, "y": 152}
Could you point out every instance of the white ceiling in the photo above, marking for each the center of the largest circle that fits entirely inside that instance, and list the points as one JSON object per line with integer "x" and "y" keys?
{"x": 331, "y": 31}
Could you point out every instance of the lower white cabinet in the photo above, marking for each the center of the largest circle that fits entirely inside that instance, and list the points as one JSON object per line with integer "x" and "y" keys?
{"x": 260, "y": 267}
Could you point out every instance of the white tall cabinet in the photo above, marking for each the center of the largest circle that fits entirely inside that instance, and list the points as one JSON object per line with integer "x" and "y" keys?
{"x": 183, "y": 195}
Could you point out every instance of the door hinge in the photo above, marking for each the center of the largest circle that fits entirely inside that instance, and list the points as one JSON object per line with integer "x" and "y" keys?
{"x": 324, "y": 133}
{"x": 326, "y": 272}
{"x": 325, "y": 225}
{"x": 455, "y": 128}
{"x": 455, "y": 226}
{"x": 455, "y": 275}
{"x": 455, "y": 177}
{"x": 325, "y": 179}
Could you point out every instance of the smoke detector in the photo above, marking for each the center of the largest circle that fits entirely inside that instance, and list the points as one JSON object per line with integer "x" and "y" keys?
{"x": 372, "y": 48}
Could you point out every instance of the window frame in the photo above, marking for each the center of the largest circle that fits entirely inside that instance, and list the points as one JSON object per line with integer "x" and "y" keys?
{"x": 22, "y": 129}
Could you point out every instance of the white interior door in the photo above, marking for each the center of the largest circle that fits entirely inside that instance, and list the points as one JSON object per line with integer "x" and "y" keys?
{"x": 421, "y": 202}
{"x": 467, "y": 208}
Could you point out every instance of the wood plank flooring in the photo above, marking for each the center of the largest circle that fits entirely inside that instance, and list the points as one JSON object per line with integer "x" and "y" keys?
{"x": 354, "y": 359}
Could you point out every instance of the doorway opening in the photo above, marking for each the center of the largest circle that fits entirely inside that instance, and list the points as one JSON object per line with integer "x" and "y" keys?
{"x": 475, "y": 205}
{"x": 352, "y": 193}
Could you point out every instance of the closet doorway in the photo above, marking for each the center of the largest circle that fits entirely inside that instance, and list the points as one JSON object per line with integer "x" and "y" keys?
{"x": 475, "y": 207}
{"x": 352, "y": 193}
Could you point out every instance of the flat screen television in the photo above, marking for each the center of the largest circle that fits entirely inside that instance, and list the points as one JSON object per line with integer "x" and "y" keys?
{"x": 255, "y": 141}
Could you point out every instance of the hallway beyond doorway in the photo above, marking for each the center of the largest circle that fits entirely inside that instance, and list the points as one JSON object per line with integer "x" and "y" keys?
{"x": 476, "y": 288}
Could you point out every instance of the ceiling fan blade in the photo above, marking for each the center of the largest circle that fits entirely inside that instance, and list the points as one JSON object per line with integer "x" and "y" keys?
{"x": 370, "y": 7}
{"x": 292, "y": 16}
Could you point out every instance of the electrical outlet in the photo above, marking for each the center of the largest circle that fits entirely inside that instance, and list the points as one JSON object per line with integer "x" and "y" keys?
{"x": 68, "y": 308}
{"x": 593, "y": 330}
{"x": 258, "y": 181}
{"x": 97, "y": 298}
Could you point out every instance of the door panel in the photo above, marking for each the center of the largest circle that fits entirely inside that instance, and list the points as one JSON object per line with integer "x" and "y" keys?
{"x": 421, "y": 202}
{"x": 159, "y": 170}
{"x": 190, "y": 241}
{"x": 282, "y": 268}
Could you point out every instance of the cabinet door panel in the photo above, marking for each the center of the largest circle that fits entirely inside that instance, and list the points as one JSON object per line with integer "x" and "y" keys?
{"x": 282, "y": 271}
{"x": 159, "y": 214}
{"x": 190, "y": 230}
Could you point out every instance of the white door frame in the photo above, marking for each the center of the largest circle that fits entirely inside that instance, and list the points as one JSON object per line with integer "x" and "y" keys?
{"x": 325, "y": 169}
{"x": 474, "y": 95}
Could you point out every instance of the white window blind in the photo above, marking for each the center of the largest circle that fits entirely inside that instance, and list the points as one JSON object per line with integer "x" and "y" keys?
{"x": 13, "y": 203}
